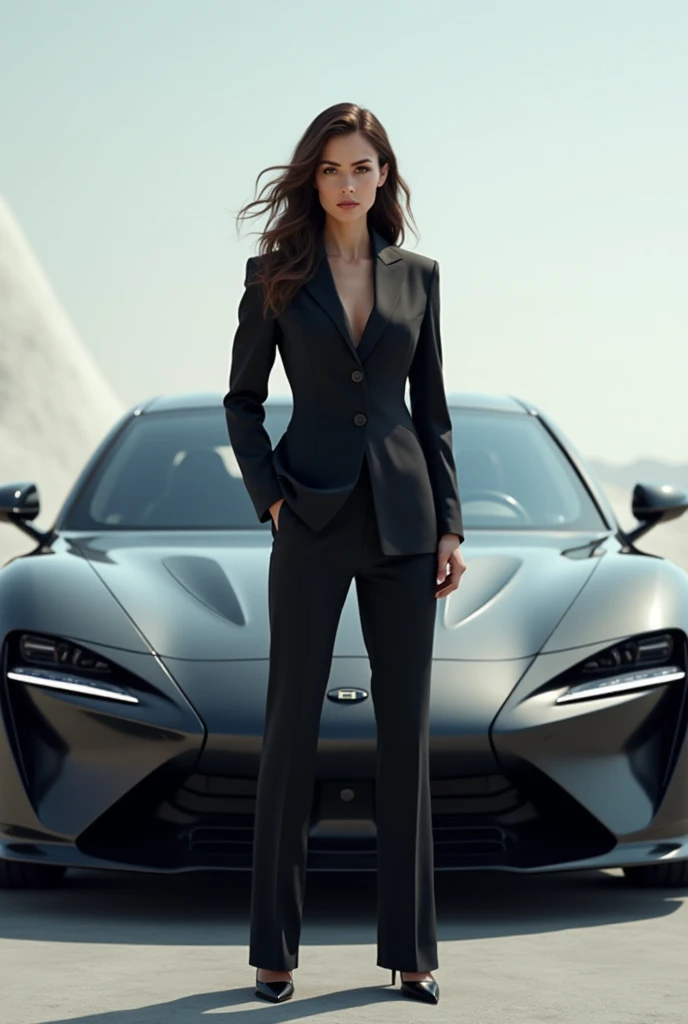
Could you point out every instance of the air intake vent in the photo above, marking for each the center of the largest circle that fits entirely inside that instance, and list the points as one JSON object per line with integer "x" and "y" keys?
{"x": 212, "y": 839}
{"x": 456, "y": 841}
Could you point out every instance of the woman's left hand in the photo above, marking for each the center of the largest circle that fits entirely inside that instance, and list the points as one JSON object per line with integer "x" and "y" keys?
{"x": 450, "y": 564}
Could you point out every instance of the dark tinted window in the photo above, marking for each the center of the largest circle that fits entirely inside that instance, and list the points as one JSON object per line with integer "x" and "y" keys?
{"x": 512, "y": 473}
{"x": 177, "y": 470}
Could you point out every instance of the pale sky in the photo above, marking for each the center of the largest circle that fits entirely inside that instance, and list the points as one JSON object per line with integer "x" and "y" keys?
{"x": 544, "y": 142}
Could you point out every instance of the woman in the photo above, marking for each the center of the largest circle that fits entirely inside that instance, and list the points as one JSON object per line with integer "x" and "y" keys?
{"x": 356, "y": 489}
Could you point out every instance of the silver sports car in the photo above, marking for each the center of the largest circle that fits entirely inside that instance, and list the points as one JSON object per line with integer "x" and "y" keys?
{"x": 134, "y": 661}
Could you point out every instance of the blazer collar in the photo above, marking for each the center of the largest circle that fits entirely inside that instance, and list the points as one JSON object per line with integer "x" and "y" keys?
{"x": 388, "y": 276}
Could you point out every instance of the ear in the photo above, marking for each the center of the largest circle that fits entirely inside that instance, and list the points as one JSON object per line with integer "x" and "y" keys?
{"x": 383, "y": 174}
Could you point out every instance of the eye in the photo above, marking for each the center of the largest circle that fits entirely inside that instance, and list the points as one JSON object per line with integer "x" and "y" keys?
{"x": 361, "y": 167}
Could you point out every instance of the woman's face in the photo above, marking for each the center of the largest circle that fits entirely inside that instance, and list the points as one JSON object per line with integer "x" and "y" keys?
{"x": 348, "y": 169}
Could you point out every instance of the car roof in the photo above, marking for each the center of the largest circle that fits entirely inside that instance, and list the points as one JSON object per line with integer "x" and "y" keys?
{"x": 213, "y": 399}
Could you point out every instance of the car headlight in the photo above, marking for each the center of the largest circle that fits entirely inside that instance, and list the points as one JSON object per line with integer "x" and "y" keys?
{"x": 655, "y": 649}
{"x": 636, "y": 664}
{"x": 44, "y": 650}
{"x": 57, "y": 664}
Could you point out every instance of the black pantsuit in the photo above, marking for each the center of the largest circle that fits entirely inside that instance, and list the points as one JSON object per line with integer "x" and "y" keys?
{"x": 369, "y": 487}
{"x": 310, "y": 575}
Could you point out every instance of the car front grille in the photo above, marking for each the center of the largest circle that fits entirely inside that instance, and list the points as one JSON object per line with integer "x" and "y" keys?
{"x": 207, "y": 821}
{"x": 473, "y": 821}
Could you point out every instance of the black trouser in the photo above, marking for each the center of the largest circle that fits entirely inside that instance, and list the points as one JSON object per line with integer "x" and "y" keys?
{"x": 309, "y": 578}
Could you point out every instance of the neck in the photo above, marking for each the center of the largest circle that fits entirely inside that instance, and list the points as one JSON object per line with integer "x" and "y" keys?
{"x": 347, "y": 241}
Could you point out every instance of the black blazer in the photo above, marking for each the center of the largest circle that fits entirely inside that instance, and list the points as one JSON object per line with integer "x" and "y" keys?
{"x": 349, "y": 402}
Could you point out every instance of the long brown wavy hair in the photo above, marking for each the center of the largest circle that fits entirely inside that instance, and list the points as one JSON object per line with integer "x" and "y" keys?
{"x": 288, "y": 242}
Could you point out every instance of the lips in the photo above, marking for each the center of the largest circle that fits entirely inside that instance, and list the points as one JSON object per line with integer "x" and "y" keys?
{"x": 347, "y": 204}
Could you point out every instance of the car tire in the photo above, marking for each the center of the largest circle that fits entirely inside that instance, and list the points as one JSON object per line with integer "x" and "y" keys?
{"x": 15, "y": 874}
{"x": 658, "y": 876}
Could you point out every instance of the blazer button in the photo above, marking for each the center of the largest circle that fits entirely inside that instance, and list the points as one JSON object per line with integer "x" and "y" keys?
{"x": 357, "y": 375}
{"x": 359, "y": 419}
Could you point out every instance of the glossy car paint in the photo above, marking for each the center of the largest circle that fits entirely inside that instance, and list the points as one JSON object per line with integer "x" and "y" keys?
{"x": 168, "y": 783}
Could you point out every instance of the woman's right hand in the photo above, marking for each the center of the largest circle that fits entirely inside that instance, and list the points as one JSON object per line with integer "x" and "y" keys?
{"x": 274, "y": 512}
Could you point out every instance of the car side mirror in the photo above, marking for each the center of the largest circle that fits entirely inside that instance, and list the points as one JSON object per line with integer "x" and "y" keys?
{"x": 19, "y": 504}
{"x": 655, "y": 503}
{"x": 19, "y": 501}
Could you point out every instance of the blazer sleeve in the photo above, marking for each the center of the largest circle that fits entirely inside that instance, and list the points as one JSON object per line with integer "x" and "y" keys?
{"x": 253, "y": 355}
{"x": 430, "y": 414}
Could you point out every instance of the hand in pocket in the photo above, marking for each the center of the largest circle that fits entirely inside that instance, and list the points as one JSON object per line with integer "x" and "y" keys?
{"x": 275, "y": 512}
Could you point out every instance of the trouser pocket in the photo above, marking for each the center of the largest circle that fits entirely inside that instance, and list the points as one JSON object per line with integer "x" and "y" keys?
{"x": 285, "y": 509}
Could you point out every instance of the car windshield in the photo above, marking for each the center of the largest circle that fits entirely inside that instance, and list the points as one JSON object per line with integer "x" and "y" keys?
{"x": 177, "y": 471}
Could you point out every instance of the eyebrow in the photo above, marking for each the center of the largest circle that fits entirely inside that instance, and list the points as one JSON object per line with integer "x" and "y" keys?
{"x": 366, "y": 159}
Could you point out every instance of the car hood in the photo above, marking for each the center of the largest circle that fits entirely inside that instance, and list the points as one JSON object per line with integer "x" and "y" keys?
{"x": 204, "y": 596}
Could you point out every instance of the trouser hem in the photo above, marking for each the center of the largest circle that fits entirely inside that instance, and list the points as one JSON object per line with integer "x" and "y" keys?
{"x": 265, "y": 964}
{"x": 398, "y": 964}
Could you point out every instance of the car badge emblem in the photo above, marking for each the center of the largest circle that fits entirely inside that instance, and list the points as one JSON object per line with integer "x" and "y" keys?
{"x": 347, "y": 696}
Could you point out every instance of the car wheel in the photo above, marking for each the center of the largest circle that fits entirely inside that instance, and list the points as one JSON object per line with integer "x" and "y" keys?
{"x": 15, "y": 874}
{"x": 658, "y": 876}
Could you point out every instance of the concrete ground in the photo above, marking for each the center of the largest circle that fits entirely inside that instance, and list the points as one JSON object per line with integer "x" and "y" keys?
{"x": 142, "y": 949}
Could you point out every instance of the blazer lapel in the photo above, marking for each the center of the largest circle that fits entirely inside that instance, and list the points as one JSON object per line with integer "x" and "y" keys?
{"x": 388, "y": 276}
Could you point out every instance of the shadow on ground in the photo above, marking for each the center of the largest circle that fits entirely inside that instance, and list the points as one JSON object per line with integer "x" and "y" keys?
{"x": 212, "y": 908}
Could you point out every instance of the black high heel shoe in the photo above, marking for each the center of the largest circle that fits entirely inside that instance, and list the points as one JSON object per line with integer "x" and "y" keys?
{"x": 426, "y": 991}
{"x": 274, "y": 991}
